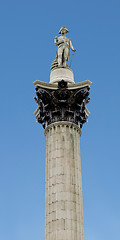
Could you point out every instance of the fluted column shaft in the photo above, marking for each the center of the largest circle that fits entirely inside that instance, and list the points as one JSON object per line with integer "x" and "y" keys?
{"x": 63, "y": 193}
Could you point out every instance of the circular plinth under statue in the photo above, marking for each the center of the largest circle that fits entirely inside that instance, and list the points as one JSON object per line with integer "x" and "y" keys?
{"x": 61, "y": 73}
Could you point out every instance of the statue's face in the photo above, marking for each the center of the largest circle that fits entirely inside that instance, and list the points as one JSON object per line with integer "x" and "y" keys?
{"x": 63, "y": 32}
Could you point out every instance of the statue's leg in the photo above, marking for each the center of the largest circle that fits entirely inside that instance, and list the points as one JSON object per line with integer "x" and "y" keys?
{"x": 60, "y": 60}
{"x": 63, "y": 58}
{"x": 60, "y": 51}
{"x": 66, "y": 56}
{"x": 64, "y": 63}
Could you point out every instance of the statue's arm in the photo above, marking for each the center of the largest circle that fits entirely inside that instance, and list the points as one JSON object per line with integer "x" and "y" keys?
{"x": 56, "y": 40}
{"x": 71, "y": 46}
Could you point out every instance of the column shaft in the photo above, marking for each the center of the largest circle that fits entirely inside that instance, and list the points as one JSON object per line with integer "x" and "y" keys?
{"x": 63, "y": 193}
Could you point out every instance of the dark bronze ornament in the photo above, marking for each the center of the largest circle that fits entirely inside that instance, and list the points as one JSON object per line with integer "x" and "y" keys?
{"x": 62, "y": 104}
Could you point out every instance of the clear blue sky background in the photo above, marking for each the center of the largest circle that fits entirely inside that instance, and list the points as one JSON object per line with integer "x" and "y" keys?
{"x": 27, "y": 30}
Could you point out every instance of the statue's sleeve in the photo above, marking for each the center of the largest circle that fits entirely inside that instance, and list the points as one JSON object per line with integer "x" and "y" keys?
{"x": 56, "y": 40}
{"x": 71, "y": 46}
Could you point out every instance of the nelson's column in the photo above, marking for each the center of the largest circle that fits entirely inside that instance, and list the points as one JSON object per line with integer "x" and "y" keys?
{"x": 62, "y": 112}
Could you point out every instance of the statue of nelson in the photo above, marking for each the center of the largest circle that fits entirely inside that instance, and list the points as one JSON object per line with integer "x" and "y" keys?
{"x": 64, "y": 44}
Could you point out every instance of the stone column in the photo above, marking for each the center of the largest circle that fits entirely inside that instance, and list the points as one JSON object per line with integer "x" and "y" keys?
{"x": 63, "y": 192}
{"x": 62, "y": 112}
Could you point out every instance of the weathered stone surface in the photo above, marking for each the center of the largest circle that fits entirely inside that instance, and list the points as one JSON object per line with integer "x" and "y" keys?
{"x": 65, "y": 74}
{"x": 63, "y": 194}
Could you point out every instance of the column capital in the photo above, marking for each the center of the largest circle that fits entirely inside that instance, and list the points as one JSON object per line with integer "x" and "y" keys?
{"x": 62, "y": 102}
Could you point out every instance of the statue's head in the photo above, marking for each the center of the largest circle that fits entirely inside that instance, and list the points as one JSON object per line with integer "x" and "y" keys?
{"x": 63, "y": 30}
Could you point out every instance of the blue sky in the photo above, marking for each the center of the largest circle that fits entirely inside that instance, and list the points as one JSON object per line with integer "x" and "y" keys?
{"x": 27, "y": 30}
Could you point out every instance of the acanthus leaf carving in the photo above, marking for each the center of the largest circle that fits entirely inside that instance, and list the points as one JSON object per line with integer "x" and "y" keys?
{"x": 62, "y": 104}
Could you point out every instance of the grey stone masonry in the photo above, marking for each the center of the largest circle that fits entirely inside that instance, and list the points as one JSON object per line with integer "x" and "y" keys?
{"x": 62, "y": 112}
{"x": 63, "y": 193}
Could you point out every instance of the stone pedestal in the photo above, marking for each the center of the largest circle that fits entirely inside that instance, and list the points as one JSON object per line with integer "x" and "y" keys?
{"x": 63, "y": 192}
{"x": 59, "y": 74}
